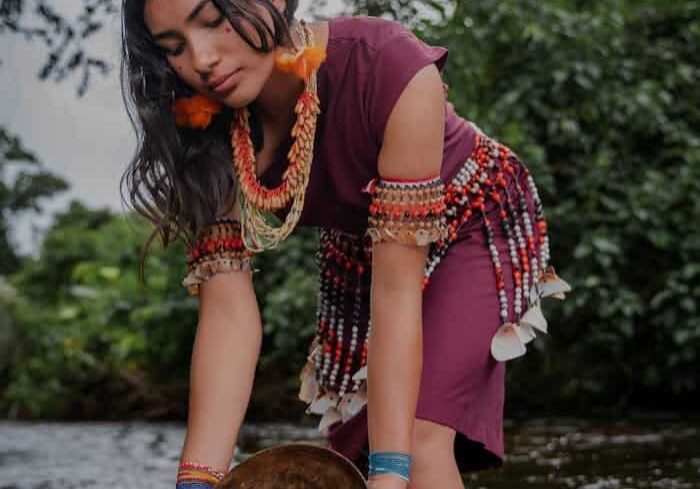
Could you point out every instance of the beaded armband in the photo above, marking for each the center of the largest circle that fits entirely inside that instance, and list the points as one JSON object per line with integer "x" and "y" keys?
{"x": 220, "y": 248}
{"x": 411, "y": 212}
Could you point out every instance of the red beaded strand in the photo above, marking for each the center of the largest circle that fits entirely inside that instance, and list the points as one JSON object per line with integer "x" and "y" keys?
{"x": 342, "y": 266}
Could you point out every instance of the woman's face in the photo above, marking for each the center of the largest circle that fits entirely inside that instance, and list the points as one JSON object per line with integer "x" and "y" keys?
{"x": 203, "y": 48}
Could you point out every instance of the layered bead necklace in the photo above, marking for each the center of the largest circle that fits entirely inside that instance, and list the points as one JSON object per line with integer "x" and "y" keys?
{"x": 259, "y": 231}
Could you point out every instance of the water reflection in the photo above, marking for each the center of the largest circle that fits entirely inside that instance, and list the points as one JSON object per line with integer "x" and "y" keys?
{"x": 578, "y": 454}
{"x": 541, "y": 454}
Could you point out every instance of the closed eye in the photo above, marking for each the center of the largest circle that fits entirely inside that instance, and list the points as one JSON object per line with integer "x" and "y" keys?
{"x": 181, "y": 47}
{"x": 217, "y": 22}
{"x": 175, "y": 52}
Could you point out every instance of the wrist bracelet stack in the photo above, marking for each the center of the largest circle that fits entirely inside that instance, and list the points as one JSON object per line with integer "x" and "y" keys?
{"x": 390, "y": 462}
{"x": 193, "y": 475}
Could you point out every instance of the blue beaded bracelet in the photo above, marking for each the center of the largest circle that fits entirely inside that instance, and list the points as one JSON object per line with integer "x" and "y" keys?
{"x": 194, "y": 485}
{"x": 390, "y": 462}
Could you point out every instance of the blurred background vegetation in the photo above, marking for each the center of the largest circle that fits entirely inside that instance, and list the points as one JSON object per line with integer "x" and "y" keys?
{"x": 599, "y": 98}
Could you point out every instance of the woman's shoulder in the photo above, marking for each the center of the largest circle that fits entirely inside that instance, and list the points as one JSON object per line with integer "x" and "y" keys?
{"x": 371, "y": 31}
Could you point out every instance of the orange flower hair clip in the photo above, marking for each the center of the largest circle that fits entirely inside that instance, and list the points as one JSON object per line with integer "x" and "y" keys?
{"x": 196, "y": 111}
{"x": 303, "y": 63}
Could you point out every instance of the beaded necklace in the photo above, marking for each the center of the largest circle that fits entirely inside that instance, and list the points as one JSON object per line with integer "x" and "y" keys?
{"x": 259, "y": 231}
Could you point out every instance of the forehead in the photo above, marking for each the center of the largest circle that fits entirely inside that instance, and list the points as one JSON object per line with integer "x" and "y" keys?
{"x": 167, "y": 14}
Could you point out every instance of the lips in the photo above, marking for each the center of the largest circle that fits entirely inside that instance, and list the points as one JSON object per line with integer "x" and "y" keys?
{"x": 218, "y": 83}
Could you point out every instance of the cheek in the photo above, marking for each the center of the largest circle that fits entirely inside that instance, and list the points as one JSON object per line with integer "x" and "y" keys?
{"x": 181, "y": 72}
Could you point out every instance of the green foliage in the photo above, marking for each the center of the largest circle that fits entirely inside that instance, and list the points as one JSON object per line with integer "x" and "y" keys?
{"x": 85, "y": 333}
{"x": 287, "y": 289}
{"x": 600, "y": 100}
{"x": 88, "y": 333}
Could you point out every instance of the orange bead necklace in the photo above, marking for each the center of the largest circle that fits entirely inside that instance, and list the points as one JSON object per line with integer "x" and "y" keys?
{"x": 257, "y": 201}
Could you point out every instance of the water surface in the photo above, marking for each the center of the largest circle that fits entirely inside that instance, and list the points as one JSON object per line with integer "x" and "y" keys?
{"x": 543, "y": 454}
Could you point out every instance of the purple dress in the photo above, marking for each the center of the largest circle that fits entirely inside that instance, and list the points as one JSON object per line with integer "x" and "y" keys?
{"x": 369, "y": 62}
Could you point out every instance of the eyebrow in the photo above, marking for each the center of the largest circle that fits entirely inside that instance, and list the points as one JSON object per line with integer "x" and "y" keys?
{"x": 192, "y": 15}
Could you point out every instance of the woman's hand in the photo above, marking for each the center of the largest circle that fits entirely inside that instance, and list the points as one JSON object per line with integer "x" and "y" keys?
{"x": 386, "y": 481}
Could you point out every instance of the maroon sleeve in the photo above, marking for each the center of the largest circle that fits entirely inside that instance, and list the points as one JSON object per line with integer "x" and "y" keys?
{"x": 396, "y": 62}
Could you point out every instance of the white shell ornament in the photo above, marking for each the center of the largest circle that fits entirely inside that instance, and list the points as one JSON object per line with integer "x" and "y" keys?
{"x": 534, "y": 317}
{"x": 309, "y": 385}
{"x": 360, "y": 374}
{"x": 329, "y": 418}
{"x": 550, "y": 284}
{"x": 322, "y": 404}
{"x": 352, "y": 403}
{"x": 506, "y": 343}
{"x": 525, "y": 332}
{"x": 344, "y": 406}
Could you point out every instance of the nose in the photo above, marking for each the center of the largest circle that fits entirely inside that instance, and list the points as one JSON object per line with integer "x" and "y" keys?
{"x": 204, "y": 59}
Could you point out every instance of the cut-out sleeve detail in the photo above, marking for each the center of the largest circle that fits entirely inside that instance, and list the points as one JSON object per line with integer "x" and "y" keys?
{"x": 219, "y": 249}
{"x": 411, "y": 212}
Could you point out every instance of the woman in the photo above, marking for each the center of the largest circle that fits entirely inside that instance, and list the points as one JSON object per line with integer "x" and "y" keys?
{"x": 251, "y": 123}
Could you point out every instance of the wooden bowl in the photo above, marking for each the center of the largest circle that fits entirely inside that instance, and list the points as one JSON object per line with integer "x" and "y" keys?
{"x": 294, "y": 466}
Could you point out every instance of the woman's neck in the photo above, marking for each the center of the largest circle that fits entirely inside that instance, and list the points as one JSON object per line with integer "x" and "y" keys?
{"x": 276, "y": 101}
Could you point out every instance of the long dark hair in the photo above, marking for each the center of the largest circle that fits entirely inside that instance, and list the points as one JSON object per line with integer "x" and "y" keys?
{"x": 180, "y": 179}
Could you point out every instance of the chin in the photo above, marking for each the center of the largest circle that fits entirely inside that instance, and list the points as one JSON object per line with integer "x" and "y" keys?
{"x": 235, "y": 103}
{"x": 239, "y": 98}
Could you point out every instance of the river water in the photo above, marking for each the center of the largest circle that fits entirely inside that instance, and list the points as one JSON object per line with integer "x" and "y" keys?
{"x": 541, "y": 454}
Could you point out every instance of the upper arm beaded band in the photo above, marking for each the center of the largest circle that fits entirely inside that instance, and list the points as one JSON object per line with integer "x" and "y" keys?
{"x": 410, "y": 212}
{"x": 218, "y": 249}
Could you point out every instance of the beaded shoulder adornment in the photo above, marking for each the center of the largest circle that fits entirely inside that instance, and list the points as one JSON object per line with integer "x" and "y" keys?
{"x": 218, "y": 249}
{"x": 410, "y": 212}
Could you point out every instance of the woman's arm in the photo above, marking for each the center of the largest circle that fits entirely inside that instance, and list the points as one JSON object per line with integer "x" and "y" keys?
{"x": 395, "y": 354}
{"x": 412, "y": 149}
{"x": 226, "y": 350}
